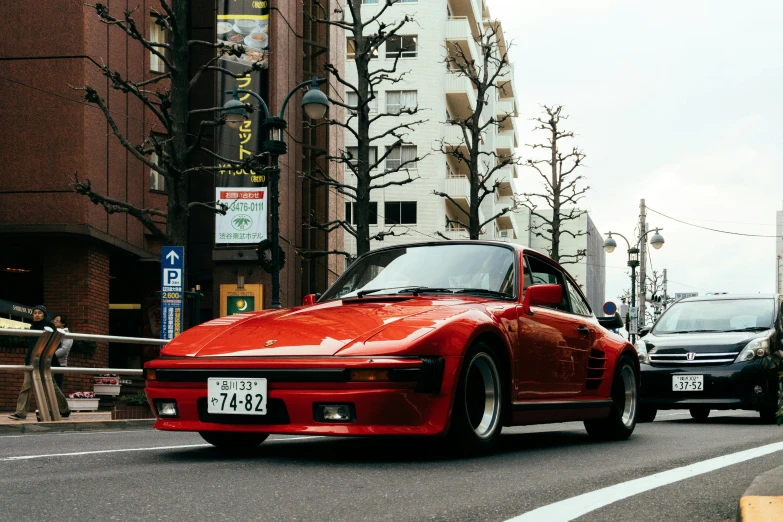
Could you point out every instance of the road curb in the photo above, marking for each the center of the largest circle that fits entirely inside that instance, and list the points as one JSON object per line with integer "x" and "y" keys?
{"x": 66, "y": 426}
{"x": 763, "y": 500}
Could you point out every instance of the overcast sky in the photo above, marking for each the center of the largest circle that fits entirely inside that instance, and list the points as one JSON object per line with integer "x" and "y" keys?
{"x": 678, "y": 102}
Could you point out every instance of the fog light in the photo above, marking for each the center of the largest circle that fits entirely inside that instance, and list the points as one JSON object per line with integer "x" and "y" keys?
{"x": 334, "y": 413}
{"x": 757, "y": 390}
{"x": 166, "y": 408}
{"x": 761, "y": 352}
{"x": 369, "y": 375}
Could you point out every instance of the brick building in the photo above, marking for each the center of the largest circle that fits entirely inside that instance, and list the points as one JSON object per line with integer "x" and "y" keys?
{"x": 103, "y": 270}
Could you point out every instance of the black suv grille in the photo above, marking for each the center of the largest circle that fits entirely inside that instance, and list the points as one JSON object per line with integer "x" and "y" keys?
{"x": 690, "y": 359}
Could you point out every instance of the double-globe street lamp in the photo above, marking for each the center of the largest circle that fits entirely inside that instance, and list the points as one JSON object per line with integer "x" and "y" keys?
{"x": 633, "y": 261}
{"x": 315, "y": 104}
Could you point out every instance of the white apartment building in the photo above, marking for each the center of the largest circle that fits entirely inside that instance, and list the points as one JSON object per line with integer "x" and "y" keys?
{"x": 779, "y": 252}
{"x": 428, "y": 84}
{"x": 590, "y": 271}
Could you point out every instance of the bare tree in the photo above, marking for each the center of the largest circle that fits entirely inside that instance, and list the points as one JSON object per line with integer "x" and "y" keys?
{"x": 388, "y": 166}
{"x": 166, "y": 96}
{"x": 561, "y": 191}
{"x": 482, "y": 165}
{"x": 655, "y": 289}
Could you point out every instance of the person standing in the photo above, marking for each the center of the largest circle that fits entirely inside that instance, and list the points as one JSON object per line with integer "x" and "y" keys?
{"x": 23, "y": 402}
{"x": 61, "y": 354}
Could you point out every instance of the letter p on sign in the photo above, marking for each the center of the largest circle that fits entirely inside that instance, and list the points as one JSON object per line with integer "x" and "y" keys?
{"x": 172, "y": 277}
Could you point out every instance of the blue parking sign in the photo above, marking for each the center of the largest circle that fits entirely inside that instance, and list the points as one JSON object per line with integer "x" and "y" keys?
{"x": 172, "y": 260}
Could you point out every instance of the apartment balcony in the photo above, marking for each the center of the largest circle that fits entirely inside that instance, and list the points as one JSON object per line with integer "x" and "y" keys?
{"x": 505, "y": 83}
{"x": 458, "y": 188}
{"x": 457, "y": 233}
{"x": 460, "y": 95}
{"x": 505, "y": 143}
{"x": 458, "y": 33}
{"x": 508, "y": 172}
{"x": 454, "y": 138}
{"x": 470, "y": 9}
{"x": 507, "y": 221}
{"x": 505, "y": 106}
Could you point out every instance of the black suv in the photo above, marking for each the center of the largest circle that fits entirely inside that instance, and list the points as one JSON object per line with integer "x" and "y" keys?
{"x": 714, "y": 353}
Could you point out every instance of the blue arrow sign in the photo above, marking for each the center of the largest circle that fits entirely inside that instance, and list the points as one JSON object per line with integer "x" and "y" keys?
{"x": 172, "y": 261}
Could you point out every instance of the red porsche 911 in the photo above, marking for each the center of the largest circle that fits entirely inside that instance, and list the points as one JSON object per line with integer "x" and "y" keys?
{"x": 450, "y": 339}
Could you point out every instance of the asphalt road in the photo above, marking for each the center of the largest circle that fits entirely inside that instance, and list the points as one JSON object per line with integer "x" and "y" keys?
{"x": 168, "y": 476}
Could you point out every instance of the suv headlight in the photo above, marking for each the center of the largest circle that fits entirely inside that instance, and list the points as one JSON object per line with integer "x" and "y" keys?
{"x": 755, "y": 348}
{"x": 641, "y": 351}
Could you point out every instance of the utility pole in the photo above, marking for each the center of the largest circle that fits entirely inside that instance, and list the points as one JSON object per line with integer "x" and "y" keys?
{"x": 642, "y": 293}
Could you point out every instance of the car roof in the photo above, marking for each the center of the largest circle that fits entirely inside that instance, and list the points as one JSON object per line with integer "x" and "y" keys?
{"x": 722, "y": 297}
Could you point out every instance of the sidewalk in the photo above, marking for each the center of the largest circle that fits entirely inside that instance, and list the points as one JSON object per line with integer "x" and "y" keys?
{"x": 763, "y": 500}
{"x": 78, "y": 421}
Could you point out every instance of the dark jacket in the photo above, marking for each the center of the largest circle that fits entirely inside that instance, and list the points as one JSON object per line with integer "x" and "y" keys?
{"x": 31, "y": 341}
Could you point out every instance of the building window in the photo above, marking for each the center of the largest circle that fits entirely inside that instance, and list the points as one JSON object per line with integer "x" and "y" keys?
{"x": 402, "y": 46}
{"x": 350, "y": 215}
{"x": 352, "y": 99}
{"x": 158, "y": 35}
{"x": 157, "y": 181}
{"x": 399, "y": 213}
{"x": 350, "y": 47}
{"x": 352, "y": 155}
{"x": 401, "y": 156}
{"x": 396, "y": 101}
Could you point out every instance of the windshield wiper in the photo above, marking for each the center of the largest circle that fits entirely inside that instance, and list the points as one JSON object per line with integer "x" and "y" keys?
{"x": 696, "y": 331}
{"x": 362, "y": 293}
{"x": 481, "y": 291}
{"x": 751, "y": 329}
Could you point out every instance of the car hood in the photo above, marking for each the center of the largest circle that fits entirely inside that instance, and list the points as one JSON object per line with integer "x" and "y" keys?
{"x": 724, "y": 342}
{"x": 318, "y": 330}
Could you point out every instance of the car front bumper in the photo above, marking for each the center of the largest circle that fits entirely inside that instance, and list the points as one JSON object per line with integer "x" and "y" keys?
{"x": 401, "y": 407}
{"x": 738, "y": 386}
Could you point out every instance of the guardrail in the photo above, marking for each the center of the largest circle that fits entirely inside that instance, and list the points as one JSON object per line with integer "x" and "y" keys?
{"x": 41, "y": 370}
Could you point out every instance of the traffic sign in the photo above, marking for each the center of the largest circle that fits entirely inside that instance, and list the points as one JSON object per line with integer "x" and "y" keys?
{"x": 610, "y": 308}
{"x": 172, "y": 259}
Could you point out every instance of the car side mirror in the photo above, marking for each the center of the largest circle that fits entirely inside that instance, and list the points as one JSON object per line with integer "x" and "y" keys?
{"x": 542, "y": 295}
{"x": 611, "y": 322}
{"x": 644, "y": 330}
{"x": 310, "y": 299}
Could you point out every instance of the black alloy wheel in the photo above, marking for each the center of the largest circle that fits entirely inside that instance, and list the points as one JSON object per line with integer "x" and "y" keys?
{"x": 233, "y": 441}
{"x": 476, "y": 419}
{"x": 770, "y": 415}
{"x": 700, "y": 413}
{"x": 625, "y": 398}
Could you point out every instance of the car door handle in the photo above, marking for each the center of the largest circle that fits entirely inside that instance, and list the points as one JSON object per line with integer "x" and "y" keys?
{"x": 583, "y": 330}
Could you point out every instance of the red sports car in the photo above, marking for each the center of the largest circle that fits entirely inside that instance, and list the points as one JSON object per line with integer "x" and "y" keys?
{"x": 450, "y": 339}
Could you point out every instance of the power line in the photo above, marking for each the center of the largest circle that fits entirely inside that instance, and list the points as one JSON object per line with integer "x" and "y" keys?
{"x": 711, "y": 229}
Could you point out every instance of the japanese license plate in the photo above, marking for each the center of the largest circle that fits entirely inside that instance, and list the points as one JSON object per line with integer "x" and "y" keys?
{"x": 687, "y": 383}
{"x": 236, "y": 396}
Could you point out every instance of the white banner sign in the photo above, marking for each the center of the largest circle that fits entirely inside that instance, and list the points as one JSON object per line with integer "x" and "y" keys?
{"x": 245, "y": 220}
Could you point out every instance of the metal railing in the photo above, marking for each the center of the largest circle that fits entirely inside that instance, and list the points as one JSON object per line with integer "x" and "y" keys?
{"x": 41, "y": 370}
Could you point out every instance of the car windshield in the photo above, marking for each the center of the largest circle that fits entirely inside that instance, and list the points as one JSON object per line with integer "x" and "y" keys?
{"x": 722, "y": 315}
{"x": 477, "y": 268}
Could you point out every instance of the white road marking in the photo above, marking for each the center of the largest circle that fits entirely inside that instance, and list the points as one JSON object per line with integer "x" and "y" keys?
{"x": 125, "y": 450}
{"x": 575, "y": 507}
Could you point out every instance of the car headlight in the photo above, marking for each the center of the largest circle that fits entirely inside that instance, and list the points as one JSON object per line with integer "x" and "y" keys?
{"x": 755, "y": 348}
{"x": 641, "y": 351}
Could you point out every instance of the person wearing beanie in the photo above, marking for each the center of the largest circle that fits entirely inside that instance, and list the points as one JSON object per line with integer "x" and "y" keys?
{"x": 23, "y": 402}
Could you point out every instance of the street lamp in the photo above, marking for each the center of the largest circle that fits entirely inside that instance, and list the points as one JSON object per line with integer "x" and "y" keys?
{"x": 315, "y": 103}
{"x": 610, "y": 244}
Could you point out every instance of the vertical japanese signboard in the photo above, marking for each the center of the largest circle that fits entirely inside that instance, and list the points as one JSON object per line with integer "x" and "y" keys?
{"x": 242, "y": 23}
{"x": 245, "y": 219}
{"x": 172, "y": 291}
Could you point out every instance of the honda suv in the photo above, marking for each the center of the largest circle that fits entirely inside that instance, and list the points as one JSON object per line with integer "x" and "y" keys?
{"x": 714, "y": 353}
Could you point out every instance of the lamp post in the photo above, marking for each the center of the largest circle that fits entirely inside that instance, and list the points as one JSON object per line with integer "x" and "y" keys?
{"x": 633, "y": 261}
{"x": 315, "y": 104}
